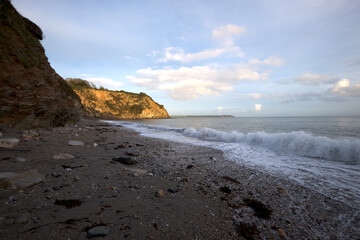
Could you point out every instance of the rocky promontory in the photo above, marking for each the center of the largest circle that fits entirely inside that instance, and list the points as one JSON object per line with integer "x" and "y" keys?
{"x": 107, "y": 104}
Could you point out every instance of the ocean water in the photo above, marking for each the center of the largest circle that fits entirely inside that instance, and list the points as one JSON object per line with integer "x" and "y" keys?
{"x": 320, "y": 153}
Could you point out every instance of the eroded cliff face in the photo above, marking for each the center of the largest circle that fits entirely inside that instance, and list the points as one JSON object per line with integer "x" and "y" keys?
{"x": 108, "y": 104}
{"x": 32, "y": 93}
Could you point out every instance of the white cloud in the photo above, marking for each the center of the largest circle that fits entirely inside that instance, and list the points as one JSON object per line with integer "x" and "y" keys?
{"x": 220, "y": 109}
{"x": 187, "y": 83}
{"x": 345, "y": 88}
{"x": 311, "y": 79}
{"x": 105, "y": 82}
{"x": 251, "y": 95}
{"x": 85, "y": 75}
{"x": 226, "y": 34}
{"x": 271, "y": 61}
{"x": 257, "y": 107}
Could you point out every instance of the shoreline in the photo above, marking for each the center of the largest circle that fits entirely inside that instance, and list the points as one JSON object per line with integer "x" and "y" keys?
{"x": 205, "y": 196}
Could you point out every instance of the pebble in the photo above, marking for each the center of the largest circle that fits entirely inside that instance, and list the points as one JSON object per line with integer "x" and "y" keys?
{"x": 63, "y": 156}
{"x": 282, "y": 233}
{"x": 99, "y": 231}
{"x": 76, "y": 143}
{"x": 95, "y": 145}
{"x": 159, "y": 193}
{"x": 19, "y": 159}
{"x": 125, "y": 160}
{"x": 9, "y": 142}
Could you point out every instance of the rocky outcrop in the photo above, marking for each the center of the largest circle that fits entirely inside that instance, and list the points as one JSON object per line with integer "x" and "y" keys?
{"x": 32, "y": 93}
{"x": 106, "y": 104}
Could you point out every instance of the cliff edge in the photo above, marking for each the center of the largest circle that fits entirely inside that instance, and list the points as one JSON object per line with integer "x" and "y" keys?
{"x": 106, "y": 104}
{"x": 32, "y": 93}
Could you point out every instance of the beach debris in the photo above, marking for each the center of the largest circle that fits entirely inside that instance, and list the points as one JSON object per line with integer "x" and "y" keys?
{"x": 70, "y": 203}
{"x": 281, "y": 233}
{"x": 22, "y": 180}
{"x": 260, "y": 209}
{"x": 246, "y": 230}
{"x": 225, "y": 189}
{"x": 19, "y": 159}
{"x": 230, "y": 179}
{"x": 190, "y": 166}
{"x": 125, "y": 160}
{"x": 9, "y": 142}
{"x": 98, "y": 231}
{"x": 76, "y": 143}
{"x": 159, "y": 193}
{"x": 63, "y": 156}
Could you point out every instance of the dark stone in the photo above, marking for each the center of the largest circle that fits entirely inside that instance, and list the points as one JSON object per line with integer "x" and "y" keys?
{"x": 190, "y": 166}
{"x": 68, "y": 203}
{"x": 170, "y": 190}
{"x": 225, "y": 190}
{"x": 125, "y": 160}
{"x": 98, "y": 231}
{"x": 260, "y": 209}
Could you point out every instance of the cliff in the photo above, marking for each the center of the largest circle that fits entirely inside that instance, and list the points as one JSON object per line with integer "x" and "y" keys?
{"x": 32, "y": 93}
{"x": 106, "y": 104}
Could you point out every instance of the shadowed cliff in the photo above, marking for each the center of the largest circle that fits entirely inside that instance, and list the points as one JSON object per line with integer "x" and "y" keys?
{"x": 32, "y": 93}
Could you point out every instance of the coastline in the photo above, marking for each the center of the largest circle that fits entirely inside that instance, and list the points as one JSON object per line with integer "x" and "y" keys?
{"x": 205, "y": 196}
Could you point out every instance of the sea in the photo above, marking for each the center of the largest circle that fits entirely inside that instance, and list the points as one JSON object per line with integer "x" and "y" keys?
{"x": 319, "y": 153}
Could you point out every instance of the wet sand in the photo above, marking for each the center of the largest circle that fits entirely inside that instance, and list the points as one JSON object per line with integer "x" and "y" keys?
{"x": 174, "y": 191}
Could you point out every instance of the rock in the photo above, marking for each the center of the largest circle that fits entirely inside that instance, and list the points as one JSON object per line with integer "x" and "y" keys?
{"x": 139, "y": 172}
{"x": 125, "y": 160}
{"x": 63, "y": 156}
{"x": 190, "y": 166}
{"x": 19, "y": 159}
{"x": 23, "y": 180}
{"x": 282, "y": 233}
{"x": 5, "y": 175}
{"x": 225, "y": 190}
{"x": 99, "y": 231}
{"x": 76, "y": 143}
{"x": 170, "y": 190}
{"x": 95, "y": 145}
{"x": 23, "y": 218}
{"x": 159, "y": 193}
{"x": 9, "y": 142}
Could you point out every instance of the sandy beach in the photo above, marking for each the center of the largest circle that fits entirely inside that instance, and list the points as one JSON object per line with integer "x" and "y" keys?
{"x": 120, "y": 185}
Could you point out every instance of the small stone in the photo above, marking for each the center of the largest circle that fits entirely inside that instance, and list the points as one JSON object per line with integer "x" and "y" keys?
{"x": 23, "y": 218}
{"x": 125, "y": 160}
{"x": 76, "y": 178}
{"x": 76, "y": 143}
{"x": 19, "y": 159}
{"x": 135, "y": 174}
{"x": 159, "y": 193}
{"x": 5, "y": 175}
{"x": 170, "y": 190}
{"x": 225, "y": 190}
{"x": 139, "y": 172}
{"x": 282, "y": 233}
{"x": 63, "y": 156}
{"x": 95, "y": 145}
{"x": 9, "y": 142}
{"x": 23, "y": 180}
{"x": 99, "y": 231}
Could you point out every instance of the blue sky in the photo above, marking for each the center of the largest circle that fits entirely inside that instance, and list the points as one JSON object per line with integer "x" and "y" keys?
{"x": 245, "y": 58}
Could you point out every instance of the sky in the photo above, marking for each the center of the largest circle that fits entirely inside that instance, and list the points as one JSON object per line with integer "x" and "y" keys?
{"x": 244, "y": 58}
